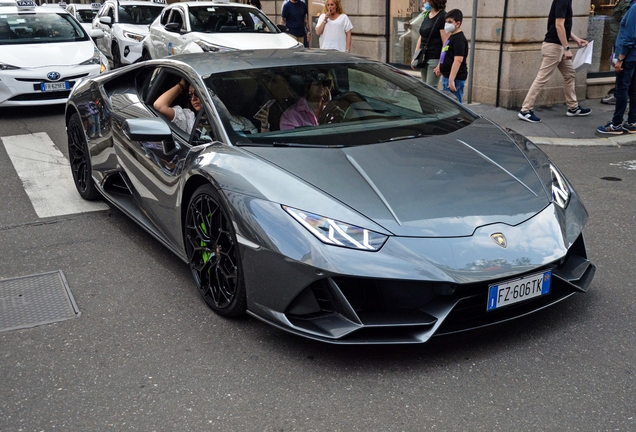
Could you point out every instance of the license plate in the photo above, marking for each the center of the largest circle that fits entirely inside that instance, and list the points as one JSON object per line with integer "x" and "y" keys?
{"x": 55, "y": 86}
{"x": 517, "y": 290}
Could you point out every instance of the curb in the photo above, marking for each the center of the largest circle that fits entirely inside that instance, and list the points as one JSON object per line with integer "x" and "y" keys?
{"x": 614, "y": 141}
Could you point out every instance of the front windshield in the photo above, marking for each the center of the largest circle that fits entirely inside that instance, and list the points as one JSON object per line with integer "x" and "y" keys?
{"x": 228, "y": 19}
{"x": 325, "y": 105}
{"x": 138, "y": 14}
{"x": 85, "y": 16}
{"x": 39, "y": 28}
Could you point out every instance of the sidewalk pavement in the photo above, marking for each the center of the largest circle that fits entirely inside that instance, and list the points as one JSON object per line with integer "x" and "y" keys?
{"x": 556, "y": 128}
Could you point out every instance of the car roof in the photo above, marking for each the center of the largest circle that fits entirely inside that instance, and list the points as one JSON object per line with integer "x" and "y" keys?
{"x": 82, "y": 6}
{"x": 138, "y": 2}
{"x": 211, "y": 3}
{"x": 211, "y": 63}
{"x": 35, "y": 10}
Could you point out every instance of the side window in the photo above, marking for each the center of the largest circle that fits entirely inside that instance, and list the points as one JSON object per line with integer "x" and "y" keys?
{"x": 164, "y": 16}
{"x": 176, "y": 17}
{"x": 203, "y": 132}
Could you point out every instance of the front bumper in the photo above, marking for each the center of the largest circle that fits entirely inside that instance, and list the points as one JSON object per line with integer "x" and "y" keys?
{"x": 130, "y": 51}
{"x": 21, "y": 87}
{"x": 353, "y": 310}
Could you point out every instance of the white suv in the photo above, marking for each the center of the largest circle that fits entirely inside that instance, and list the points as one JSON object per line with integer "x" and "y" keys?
{"x": 190, "y": 27}
{"x": 125, "y": 23}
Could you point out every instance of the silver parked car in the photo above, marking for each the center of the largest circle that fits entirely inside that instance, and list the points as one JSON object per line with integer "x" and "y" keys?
{"x": 332, "y": 196}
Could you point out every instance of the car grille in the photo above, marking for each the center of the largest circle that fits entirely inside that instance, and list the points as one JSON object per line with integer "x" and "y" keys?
{"x": 41, "y": 96}
{"x": 39, "y": 80}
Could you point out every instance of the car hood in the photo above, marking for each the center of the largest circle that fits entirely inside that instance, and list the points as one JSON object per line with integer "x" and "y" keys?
{"x": 247, "y": 41}
{"x": 49, "y": 54}
{"x": 438, "y": 186}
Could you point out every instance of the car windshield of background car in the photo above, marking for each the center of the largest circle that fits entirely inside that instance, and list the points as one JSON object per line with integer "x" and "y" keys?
{"x": 41, "y": 28}
{"x": 215, "y": 19}
{"x": 369, "y": 103}
{"x": 86, "y": 15}
{"x": 135, "y": 14}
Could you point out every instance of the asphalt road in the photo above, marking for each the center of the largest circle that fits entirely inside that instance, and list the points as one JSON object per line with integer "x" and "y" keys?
{"x": 147, "y": 354}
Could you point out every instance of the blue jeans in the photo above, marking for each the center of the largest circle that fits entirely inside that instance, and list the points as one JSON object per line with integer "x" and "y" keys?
{"x": 625, "y": 88}
{"x": 459, "y": 85}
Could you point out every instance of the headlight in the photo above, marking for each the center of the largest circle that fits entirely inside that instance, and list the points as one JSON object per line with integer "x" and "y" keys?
{"x": 208, "y": 47}
{"x": 560, "y": 189}
{"x": 95, "y": 59}
{"x": 337, "y": 233}
{"x": 5, "y": 66}
{"x": 133, "y": 36}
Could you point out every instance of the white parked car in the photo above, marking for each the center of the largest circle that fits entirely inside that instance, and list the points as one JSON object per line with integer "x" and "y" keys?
{"x": 84, "y": 13}
{"x": 44, "y": 51}
{"x": 190, "y": 27}
{"x": 125, "y": 24}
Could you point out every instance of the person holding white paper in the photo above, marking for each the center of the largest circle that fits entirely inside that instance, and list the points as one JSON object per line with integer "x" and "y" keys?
{"x": 556, "y": 54}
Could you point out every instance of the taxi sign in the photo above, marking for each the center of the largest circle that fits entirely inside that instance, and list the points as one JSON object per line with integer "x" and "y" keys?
{"x": 96, "y": 5}
{"x": 62, "y": 4}
{"x": 25, "y": 4}
{"x": 159, "y": 1}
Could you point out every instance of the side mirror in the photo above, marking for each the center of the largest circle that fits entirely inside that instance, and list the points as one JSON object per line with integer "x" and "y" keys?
{"x": 282, "y": 28}
{"x": 149, "y": 129}
{"x": 106, "y": 20}
{"x": 173, "y": 27}
{"x": 96, "y": 33}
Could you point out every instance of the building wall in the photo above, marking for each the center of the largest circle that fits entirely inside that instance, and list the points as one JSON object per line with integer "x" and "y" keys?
{"x": 520, "y": 51}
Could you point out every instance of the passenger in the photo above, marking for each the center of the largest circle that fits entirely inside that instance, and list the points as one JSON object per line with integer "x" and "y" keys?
{"x": 184, "y": 118}
{"x": 306, "y": 111}
{"x": 5, "y": 31}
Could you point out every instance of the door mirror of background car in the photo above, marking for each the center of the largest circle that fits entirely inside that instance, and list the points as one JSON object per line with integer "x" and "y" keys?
{"x": 96, "y": 34}
{"x": 106, "y": 20}
{"x": 149, "y": 129}
{"x": 173, "y": 27}
{"x": 282, "y": 28}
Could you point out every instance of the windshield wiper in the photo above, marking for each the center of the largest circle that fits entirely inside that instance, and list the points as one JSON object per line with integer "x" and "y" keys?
{"x": 399, "y": 138}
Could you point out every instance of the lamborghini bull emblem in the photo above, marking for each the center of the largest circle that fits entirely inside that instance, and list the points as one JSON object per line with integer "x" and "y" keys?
{"x": 500, "y": 239}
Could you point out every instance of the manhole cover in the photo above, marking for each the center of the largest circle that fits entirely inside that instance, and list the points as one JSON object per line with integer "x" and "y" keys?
{"x": 29, "y": 301}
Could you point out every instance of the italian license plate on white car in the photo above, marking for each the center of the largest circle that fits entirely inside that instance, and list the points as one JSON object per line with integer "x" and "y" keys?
{"x": 55, "y": 86}
{"x": 514, "y": 291}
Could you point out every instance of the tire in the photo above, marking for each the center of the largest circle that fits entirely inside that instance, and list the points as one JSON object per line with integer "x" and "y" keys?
{"x": 116, "y": 56}
{"x": 213, "y": 253}
{"x": 80, "y": 159}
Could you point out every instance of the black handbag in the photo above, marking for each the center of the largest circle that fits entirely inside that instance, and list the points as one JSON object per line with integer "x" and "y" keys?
{"x": 420, "y": 54}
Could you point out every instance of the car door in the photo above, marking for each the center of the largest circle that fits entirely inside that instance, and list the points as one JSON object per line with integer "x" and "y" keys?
{"x": 154, "y": 169}
{"x": 156, "y": 36}
{"x": 174, "y": 30}
{"x": 105, "y": 42}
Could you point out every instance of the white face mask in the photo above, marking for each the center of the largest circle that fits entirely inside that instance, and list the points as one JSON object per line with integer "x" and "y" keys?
{"x": 449, "y": 27}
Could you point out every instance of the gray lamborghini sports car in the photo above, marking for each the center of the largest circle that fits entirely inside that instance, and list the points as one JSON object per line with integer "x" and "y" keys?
{"x": 331, "y": 196}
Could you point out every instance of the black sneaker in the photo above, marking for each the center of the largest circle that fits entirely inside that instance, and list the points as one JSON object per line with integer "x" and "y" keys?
{"x": 611, "y": 129}
{"x": 629, "y": 127}
{"x": 578, "y": 111}
{"x": 528, "y": 116}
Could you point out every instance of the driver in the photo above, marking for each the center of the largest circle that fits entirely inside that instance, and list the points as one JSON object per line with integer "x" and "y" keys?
{"x": 306, "y": 111}
{"x": 5, "y": 31}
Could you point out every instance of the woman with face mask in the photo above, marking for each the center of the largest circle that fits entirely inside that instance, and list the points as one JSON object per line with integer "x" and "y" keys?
{"x": 432, "y": 38}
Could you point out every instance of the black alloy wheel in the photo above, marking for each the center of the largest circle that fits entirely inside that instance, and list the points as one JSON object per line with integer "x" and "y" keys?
{"x": 213, "y": 253}
{"x": 80, "y": 160}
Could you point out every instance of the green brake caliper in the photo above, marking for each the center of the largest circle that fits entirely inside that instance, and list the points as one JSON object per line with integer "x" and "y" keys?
{"x": 205, "y": 254}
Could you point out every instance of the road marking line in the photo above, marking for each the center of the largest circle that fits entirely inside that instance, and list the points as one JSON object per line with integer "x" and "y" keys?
{"x": 46, "y": 176}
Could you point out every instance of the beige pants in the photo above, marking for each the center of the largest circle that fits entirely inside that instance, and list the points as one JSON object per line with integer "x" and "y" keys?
{"x": 552, "y": 59}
